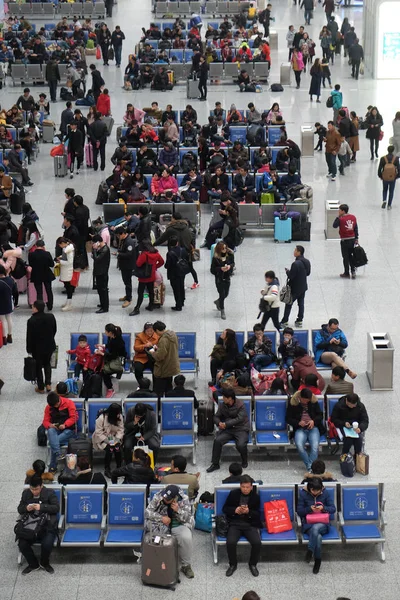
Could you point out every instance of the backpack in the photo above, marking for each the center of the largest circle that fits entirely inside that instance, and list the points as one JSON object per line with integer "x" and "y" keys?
{"x": 347, "y": 466}
{"x": 276, "y": 87}
{"x": 329, "y": 102}
{"x": 238, "y": 236}
{"x": 267, "y": 183}
{"x": 19, "y": 270}
{"x": 183, "y": 266}
{"x": 41, "y": 436}
{"x": 31, "y": 526}
{"x": 389, "y": 172}
{"x": 333, "y": 436}
{"x": 221, "y": 525}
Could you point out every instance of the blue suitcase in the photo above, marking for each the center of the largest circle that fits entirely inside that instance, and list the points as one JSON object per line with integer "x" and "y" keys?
{"x": 283, "y": 230}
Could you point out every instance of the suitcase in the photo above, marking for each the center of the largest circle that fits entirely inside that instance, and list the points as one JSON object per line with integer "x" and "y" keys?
{"x": 60, "y": 166}
{"x": 48, "y": 134}
{"x": 102, "y": 194}
{"x": 89, "y": 154}
{"x": 164, "y": 220}
{"x": 81, "y": 446}
{"x": 29, "y": 369}
{"x": 192, "y": 88}
{"x": 22, "y": 284}
{"x": 160, "y": 563}
{"x": 205, "y": 417}
{"x": 283, "y": 230}
{"x": 16, "y": 202}
{"x": 109, "y": 121}
{"x": 32, "y": 295}
{"x": 301, "y": 231}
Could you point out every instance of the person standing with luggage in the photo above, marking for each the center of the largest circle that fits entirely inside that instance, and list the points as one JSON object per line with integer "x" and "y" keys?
{"x": 222, "y": 266}
{"x": 117, "y": 37}
{"x": 149, "y": 257}
{"x": 389, "y": 171}
{"x": 52, "y": 78}
{"x": 39, "y": 499}
{"x": 126, "y": 262}
{"x": 40, "y": 343}
{"x": 348, "y": 232}
{"x": 297, "y": 279}
{"x": 76, "y": 143}
{"x": 97, "y": 81}
{"x": 42, "y": 263}
{"x": 98, "y": 133}
{"x": 166, "y": 359}
{"x": 104, "y": 41}
{"x": 67, "y": 116}
{"x": 101, "y": 263}
{"x": 203, "y": 75}
{"x": 60, "y": 418}
{"x": 177, "y": 265}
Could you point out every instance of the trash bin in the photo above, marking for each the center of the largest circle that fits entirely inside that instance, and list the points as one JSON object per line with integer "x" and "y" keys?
{"x": 273, "y": 39}
{"x": 307, "y": 140}
{"x": 380, "y": 357}
{"x": 286, "y": 70}
{"x": 331, "y": 212}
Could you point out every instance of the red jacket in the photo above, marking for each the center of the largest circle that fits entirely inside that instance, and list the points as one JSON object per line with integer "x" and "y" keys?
{"x": 348, "y": 228}
{"x": 82, "y": 354}
{"x": 65, "y": 414}
{"x": 156, "y": 261}
{"x": 104, "y": 105}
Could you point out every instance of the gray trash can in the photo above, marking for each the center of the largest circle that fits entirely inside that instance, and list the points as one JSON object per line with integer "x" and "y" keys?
{"x": 285, "y": 73}
{"x": 380, "y": 358}
{"x": 273, "y": 39}
{"x": 307, "y": 140}
{"x": 331, "y": 212}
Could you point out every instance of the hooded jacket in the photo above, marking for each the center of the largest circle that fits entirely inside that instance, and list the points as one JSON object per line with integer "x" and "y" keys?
{"x": 180, "y": 230}
{"x": 327, "y": 476}
{"x": 157, "y": 509}
{"x": 304, "y": 365}
{"x": 342, "y": 414}
{"x": 294, "y": 413}
{"x": 46, "y": 477}
{"x": 166, "y": 356}
{"x": 323, "y": 342}
{"x": 65, "y": 414}
{"x": 337, "y": 99}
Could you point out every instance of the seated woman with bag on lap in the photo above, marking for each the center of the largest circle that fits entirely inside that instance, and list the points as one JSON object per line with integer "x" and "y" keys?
{"x": 141, "y": 430}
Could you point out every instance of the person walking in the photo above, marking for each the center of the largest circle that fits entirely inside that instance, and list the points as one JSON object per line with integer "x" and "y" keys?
{"x": 97, "y": 81}
{"x": 98, "y": 134}
{"x": 166, "y": 359}
{"x": 82, "y": 218}
{"x": 332, "y": 147}
{"x": 396, "y": 133}
{"x": 117, "y": 37}
{"x": 290, "y": 39}
{"x": 316, "y": 78}
{"x": 348, "y": 232}
{"x": 52, "y": 78}
{"x": 356, "y": 54}
{"x": 269, "y": 303}
{"x": 297, "y": 65}
{"x": 40, "y": 343}
{"x": 176, "y": 256}
{"x": 308, "y": 6}
{"x": 329, "y": 9}
{"x": 388, "y": 171}
{"x": 104, "y": 41}
{"x": 222, "y": 266}
{"x": 101, "y": 263}
{"x": 203, "y": 75}
{"x": 8, "y": 291}
{"x": 42, "y": 263}
{"x": 374, "y": 122}
{"x": 297, "y": 278}
{"x": 126, "y": 261}
{"x": 149, "y": 260}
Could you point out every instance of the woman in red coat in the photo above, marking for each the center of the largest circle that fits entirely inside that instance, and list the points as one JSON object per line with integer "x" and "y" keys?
{"x": 149, "y": 256}
{"x": 104, "y": 104}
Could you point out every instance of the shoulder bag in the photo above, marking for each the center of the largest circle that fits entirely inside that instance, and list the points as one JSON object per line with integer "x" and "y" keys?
{"x": 285, "y": 295}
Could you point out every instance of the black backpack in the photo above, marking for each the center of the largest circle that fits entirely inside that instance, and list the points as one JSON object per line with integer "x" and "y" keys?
{"x": 276, "y": 87}
{"x": 359, "y": 256}
{"x": 182, "y": 265}
{"x": 31, "y": 526}
{"x": 41, "y": 436}
{"x": 329, "y": 102}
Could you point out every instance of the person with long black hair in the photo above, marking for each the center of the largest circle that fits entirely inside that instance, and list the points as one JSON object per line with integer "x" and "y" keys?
{"x": 222, "y": 268}
{"x": 108, "y": 435}
{"x": 113, "y": 351}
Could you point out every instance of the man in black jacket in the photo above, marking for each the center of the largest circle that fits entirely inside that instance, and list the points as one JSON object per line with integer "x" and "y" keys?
{"x": 356, "y": 53}
{"x": 98, "y": 133}
{"x": 350, "y": 413}
{"x": 40, "y": 333}
{"x": 41, "y": 262}
{"x": 39, "y": 499}
{"x": 97, "y": 81}
{"x": 117, "y": 37}
{"x": 233, "y": 424}
{"x": 180, "y": 391}
{"x": 67, "y": 116}
{"x": 101, "y": 265}
{"x": 122, "y": 185}
{"x": 242, "y": 508}
{"x": 70, "y": 230}
{"x": 243, "y": 184}
{"x": 297, "y": 276}
{"x": 126, "y": 260}
{"x": 143, "y": 230}
{"x": 175, "y": 275}
{"x": 16, "y": 164}
{"x": 76, "y": 143}
{"x": 52, "y": 78}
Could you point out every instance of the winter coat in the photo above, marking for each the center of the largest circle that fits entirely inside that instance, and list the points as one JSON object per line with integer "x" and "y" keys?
{"x": 154, "y": 259}
{"x": 52, "y": 71}
{"x": 82, "y": 354}
{"x": 115, "y": 348}
{"x": 126, "y": 258}
{"x": 98, "y": 131}
{"x": 181, "y": 231}
{"x": 76, "y": 141}
{"x": 167, "y": 183}
{"x": 157, "y": 509}
{"x": 67, "y": 263}
{"x": 235, "y": 416}
{"x": 374, "y": 126}
{"x": 333, "y": 141}
{"x": 140, "y": 340}
{"x": 168, "y": 157}
{"x": 101, "y": 260}
{"x": 104, "y": 105}
{"x": 337, "y": 98}
{"x": 264, "y": 348}
{"x": 345, "y": 127}
{"x": 7, "y": 290}
{"x": 294, "y": 413}
{"x": 86, "y": 477}
{"x": 9, "y": 259}
{"x": 271, "y": 294}
{"x": 218, "y": 263}
{"x": 48, "y": 501}
{"x": 65, "y": 414}
{"x": 233, "y": 501}
{"x": 147, "y": 425}
{"x": 307, "y": 500}
{"x": 323, "y": 339}
{"x": 327, "y": 476}
{"x": 342, "y": 414}
{"x": 40, "y": 333}
{"x": 42, "y": 264}
{"x": 316, "y": 77}
{"x": 297, "y": 275}
{"x": 297, "y": 61}
{"x": 104, "y": 429}
{"x": 304, "y": 365}
{"x": 171, "y": 264}
{"x": 143, "y": 229}
{"x": 46, "y": 477}
{"x": 166, "y": 356}
{"x": 356, "y": 52}
{"x": 134, "y": 473}
{"x": 287, "y": 350}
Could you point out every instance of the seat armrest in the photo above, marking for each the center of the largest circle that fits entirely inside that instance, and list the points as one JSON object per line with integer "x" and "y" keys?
{"x": 341, "y": 519}
{"x": 298, "y": 521}
{"x": 103, "y": 522}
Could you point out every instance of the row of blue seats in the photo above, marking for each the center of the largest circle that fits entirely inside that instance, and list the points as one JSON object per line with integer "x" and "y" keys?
{"x": 83, "y": 521}
{"x": 189, "y": 363}
{"x": 53, "y": 9}
{"x": 212, "y": 7}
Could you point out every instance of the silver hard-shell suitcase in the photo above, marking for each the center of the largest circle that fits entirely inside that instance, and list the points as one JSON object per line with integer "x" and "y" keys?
{"x": 60, "y": 166}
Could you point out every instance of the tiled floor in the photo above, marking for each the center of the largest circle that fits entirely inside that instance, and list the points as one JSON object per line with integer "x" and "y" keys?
{"x": 368, "y": 304}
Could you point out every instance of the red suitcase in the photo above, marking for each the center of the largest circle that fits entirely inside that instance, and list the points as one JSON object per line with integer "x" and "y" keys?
{"x": 89, "y": 154}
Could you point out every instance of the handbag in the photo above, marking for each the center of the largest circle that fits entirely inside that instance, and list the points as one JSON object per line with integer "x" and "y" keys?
{"x": 317, "y": 518}
{"x": 113, "y": 366}
{"x": 98, "y": 53}
{"x": 221, "y": 525}
{"x": 264, "y": 306}
{"x": 195, "y": 254}
{"x": 347, "y": 466}
{"x": 75, "y": 278}
{"x": 362, "y": 463}
{"x": 277, "y": 518}
{"x": 54, "y": 358}
{"x": 31, "y": 525}
{"x": 57, "y": 270}
{"x": 361, "y": 70}
{"x": 381, "y": 135}
{"x": 285, "y": 295}
{"x": 204, "y": 515}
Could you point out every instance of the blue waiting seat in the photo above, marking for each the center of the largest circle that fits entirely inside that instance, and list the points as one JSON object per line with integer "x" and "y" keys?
{"x": 131, "y": 403}
{"x": 269, "y": 493}
{"x": 274, "y": 134}
{"x": 362, "y": 516}
{"x": 239, "y": 338}
{"x": 247, "y": 401}
{"x": 84, "y": 515}
{"x": 92, "y": 338}
{"x": 272, "y": 336}
{"x": 93, "y": 407}
{"x": 128, "y": 345}
{"x": 238, "y": 133}
{"x": 221, "y": 493}
{"x": 333, "y": 536}
{"x": 269, "y": 425}
{"x": 274, "y": 153}
{"x": 330, "y": 403}
{"x": 188, "y": 360}
{"x": 125, "y": 515}
{"x": 178, "y": 429}
{"x": 320, "y": 365}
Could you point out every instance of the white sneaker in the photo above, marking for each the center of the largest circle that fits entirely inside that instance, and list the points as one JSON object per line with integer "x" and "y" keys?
{"x": 329, "y": 175}
{"x": 67, "y": 307}
{"x": 333, "y": 178}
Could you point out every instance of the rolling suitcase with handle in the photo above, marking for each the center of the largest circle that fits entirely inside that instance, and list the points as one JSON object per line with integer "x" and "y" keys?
{"x": 48, "y": 134}
{"x": 160, "y": 563}
{"x": 81, "y": 446}
{"x": 192, "y": 88}
{"x": 60, "y": 165}
{"x": 283, "y": 230}
{"x": 205, "y": 417}
{"x": 89, "y": 155}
